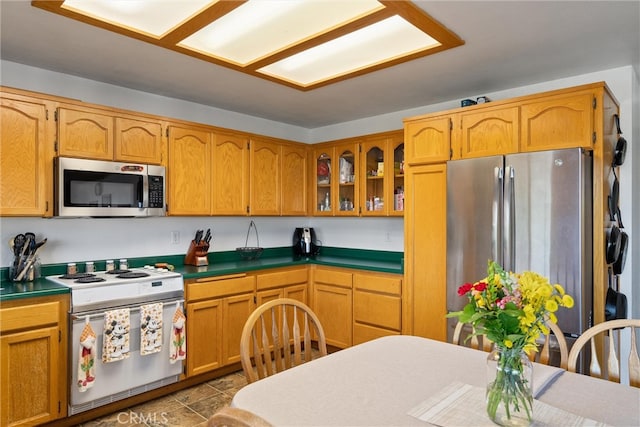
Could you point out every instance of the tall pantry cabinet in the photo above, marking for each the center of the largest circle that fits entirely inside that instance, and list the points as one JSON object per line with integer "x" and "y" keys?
{"x": 577, "y": 117}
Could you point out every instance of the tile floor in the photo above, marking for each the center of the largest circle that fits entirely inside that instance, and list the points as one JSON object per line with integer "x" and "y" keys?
{"x": 184, "y": 408}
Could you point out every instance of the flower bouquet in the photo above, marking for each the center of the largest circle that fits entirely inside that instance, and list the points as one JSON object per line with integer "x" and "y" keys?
{"x": 511, "y": 310}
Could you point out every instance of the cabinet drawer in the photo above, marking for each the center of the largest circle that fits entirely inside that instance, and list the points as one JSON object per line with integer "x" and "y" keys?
{"x": 364, "y": 333}
{"x": 212, "y": 287}
{"x": 333, "y": 277}
{"x": 375, "y": 283}
{"x": 282, "y": 278}
{"x": 377, "y": 309}
{"x": 29, "y": 316}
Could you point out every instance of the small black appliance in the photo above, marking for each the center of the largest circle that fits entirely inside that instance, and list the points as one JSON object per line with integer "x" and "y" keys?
{"x": 305, "y": 242}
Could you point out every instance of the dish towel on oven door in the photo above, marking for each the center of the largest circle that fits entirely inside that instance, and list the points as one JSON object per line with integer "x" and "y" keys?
{"x": 115, "y": 341}
{"x": 86, "y": 358}
{"x": 178, "y": 349}
{"x": 150, "y": 328}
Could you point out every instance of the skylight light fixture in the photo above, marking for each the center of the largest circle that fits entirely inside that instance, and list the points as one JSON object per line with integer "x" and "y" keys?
{"x": 304, "y": 44}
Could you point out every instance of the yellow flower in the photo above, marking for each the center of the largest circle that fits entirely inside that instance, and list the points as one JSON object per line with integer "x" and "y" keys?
{"x": 567, "y": 301}
{"x": 508, "y": 343}
{"x": 551, "y": 305}
{"x": 559, "y": 288}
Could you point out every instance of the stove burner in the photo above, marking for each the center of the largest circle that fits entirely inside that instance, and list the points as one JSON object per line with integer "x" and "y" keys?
{"x": 118, "y": 271}
{"x": 90, "y": 279}
{"x": 77, "y": 276}
{"x": 132, "y": 275}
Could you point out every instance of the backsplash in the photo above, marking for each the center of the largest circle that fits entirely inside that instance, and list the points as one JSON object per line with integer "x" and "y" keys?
{"x": 89, "y": 239}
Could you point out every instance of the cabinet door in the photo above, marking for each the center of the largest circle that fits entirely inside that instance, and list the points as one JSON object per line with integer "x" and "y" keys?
{"x": 425, "y": 250}
{"x": 26, "y": 157}
{"x": 562, "y": 121}
{"x": 138, "y": 141}
{"x": 322, "y": 179}
{"x": 29, "y": 380}
{"x": 85, "y": 133}
{"x": 204, "y": 336}
{"x": 265, "y": 177}
{"x": 346, "y": 203}
{"x": 488, "y": 132}
{"x": 230, "y": 174}
{"x": 428, "y": 140}
{"x": 189, "y": 171}
{"x": 235, "y": 312}
{"x": 332, "y": 303}
{"x": 374, "y": 157}
{"x": 294, "y": 180}
{"x": 396, "y": 189}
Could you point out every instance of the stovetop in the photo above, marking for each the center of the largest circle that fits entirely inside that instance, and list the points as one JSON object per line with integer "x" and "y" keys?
{"x": 102, "y": 290}
{"x": 107, "y": 278}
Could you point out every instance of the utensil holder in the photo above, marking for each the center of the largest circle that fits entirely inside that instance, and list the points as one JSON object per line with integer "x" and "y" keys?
{"x": 197, "y": 254}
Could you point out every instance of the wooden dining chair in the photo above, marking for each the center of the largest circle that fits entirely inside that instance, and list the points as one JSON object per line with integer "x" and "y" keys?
{"x": 543, "y": 355}
{"x": 610, "y": 367}
{"x": 278, "y": 336}
{"x": 236, "y": 417}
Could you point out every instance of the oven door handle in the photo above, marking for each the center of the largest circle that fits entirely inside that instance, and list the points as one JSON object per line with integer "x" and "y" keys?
{"x": 98, "y": 313}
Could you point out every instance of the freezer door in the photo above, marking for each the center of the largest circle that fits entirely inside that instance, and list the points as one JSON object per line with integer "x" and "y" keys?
{"x": 474, "y": 206}
{"x": 550, "y": 224}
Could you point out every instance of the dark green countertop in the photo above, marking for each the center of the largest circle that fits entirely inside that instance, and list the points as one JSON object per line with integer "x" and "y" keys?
{"x": 220, "y": 263}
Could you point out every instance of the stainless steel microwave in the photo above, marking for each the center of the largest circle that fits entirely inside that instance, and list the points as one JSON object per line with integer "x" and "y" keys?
{"x": 96, "y": 188}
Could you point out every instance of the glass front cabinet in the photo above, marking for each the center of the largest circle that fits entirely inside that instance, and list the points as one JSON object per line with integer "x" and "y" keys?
{"x": 382, "y": 189}
{"x": 360, "y": 177}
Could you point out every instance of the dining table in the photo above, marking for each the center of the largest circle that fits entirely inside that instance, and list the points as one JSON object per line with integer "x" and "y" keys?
{"x": 404, "y": 380}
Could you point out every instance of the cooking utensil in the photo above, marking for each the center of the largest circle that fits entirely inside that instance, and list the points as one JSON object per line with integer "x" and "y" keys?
{"x": 616, "y": 303}
{"x": 618, "y": 265}
{"x": 207, "y": 236}
{"x": 32, "y": 258}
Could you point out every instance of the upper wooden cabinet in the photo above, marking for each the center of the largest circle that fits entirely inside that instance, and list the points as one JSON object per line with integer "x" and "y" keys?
{"x": 138, "y": 141}
{"x": 265, "y": 182}
{"x": 108, "y": 135}
{"x": 487, "y": 132}
{"x": 427, "y": 139}
{"x": 294, "y": 180}
{"x": 189, "y": 171}
{"x": 230, "y": 174}
{"x": 560, "y": 121}
{"x": 26, "y": 156}
{"x": 382, "y": 175}
{"x": 335, "y": 178}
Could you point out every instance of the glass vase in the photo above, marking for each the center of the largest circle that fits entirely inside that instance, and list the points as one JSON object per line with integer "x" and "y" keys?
{"x": 509, "y": 395}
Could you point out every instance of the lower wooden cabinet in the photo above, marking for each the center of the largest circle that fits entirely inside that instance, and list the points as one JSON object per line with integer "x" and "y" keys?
{"x": 332, "y": 301}
{"x": 377, "y": 306}
{"x": 33, "y": 369}
{"x": 217, "y": 309}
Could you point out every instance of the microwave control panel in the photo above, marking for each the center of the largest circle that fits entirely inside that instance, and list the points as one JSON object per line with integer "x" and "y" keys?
{"x": 156, "y": 191}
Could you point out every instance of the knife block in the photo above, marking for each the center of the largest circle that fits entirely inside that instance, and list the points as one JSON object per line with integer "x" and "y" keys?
{"x": 197, "y": 254}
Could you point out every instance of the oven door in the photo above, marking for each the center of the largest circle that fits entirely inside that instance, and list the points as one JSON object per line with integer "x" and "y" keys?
{"x": 100, "y": 188}
{"x": 121, "y": 379}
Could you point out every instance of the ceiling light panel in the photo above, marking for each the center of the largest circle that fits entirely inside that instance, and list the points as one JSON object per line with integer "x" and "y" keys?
{"x": 378, "y": 43}
{"x": 151, "y": 17}
{"x": 259, "y": 28}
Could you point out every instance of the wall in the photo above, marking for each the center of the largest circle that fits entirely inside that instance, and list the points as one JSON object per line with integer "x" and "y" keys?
{"x": 84, "y": 239}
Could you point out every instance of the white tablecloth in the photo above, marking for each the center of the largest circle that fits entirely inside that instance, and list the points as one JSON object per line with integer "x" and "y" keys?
{"x": 377, "y": 383}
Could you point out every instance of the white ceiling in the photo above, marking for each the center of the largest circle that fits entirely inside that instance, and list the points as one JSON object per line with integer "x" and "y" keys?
{"x": 507, "y": 44}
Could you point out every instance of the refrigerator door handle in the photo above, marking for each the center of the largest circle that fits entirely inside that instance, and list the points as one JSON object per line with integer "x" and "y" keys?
{"x": 509, "y": 218}
{"x": 496, "y": 215}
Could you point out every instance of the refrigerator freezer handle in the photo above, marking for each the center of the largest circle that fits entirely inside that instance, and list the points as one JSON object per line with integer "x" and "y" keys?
{"x": 496, "y": 210}
{"x": 509, "y": 230}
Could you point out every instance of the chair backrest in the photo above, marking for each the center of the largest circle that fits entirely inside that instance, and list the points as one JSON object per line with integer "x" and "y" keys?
{"x": 277, "y": 336}
{"x": 235, "y": 417}
{"x": 480, "y": 342}
{"x": 461, "y": 337}
{"x": 610, "y": 368}
{"x": 544, "y": 352}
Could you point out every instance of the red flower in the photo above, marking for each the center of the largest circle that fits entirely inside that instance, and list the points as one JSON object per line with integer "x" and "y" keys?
{"x": 464, "y": 289}
{"x": 480, "y": 286}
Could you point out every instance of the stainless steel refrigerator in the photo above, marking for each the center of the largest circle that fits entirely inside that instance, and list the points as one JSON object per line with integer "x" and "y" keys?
{"x": 527, "y": 211}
